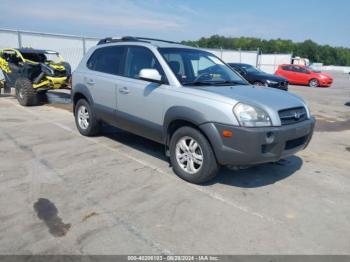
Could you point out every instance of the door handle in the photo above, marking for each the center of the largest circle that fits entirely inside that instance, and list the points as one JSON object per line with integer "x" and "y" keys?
{"x": 124, "y": 90}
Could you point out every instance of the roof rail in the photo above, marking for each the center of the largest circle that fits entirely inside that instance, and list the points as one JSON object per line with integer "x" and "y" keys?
{"x": 108, "y": 40}
{"x": 155, "y": 39}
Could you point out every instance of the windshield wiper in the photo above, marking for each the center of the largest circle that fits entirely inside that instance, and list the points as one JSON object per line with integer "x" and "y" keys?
{"x": 198, "y": 83}
{"x": 230, "y": 82}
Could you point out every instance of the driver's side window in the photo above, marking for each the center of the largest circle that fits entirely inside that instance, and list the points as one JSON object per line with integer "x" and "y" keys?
{"x": 201, "y": 65}
{"x": 139, "y": 58}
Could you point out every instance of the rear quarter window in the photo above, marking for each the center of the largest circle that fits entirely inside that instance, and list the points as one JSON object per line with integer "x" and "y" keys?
{"x": 107, "y": 60}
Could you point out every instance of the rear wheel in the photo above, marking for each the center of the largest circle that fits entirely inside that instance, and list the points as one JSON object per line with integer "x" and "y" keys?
{"x": 25, "y": 93}
{"x": 191, "y": 156}
{"x": 85, "y": 119}
{"x": 314, "y": 83}
{"x": 7, "y": 88}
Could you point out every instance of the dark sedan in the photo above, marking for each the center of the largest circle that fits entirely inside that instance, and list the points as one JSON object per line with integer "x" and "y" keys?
{"x": 260, "y": 78}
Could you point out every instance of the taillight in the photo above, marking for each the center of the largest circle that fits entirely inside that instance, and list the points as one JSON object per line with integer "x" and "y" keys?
{"x": 69, "y": 85}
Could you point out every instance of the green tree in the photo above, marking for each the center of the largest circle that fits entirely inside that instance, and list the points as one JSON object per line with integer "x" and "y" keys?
{"x": 309, "y": 49}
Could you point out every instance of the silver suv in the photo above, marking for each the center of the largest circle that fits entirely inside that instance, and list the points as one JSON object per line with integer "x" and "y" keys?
{"x": 204, "y": 112}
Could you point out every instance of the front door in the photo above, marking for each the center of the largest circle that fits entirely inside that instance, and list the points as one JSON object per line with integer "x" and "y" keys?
{"x": 303, "y": 75}
{"x": 140, "y": 103}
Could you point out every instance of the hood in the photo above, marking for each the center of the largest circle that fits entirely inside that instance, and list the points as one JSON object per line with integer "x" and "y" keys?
{"x": 270, "y": 99}
{"x": 266, "y": 76}
{"x": 325, "y": 74}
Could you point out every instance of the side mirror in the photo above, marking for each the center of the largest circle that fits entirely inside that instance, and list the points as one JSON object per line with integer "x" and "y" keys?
{"x": 150, "y": 75}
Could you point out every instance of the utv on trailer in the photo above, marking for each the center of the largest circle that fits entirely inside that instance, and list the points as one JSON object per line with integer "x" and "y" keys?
{"x": 32, "y": 72}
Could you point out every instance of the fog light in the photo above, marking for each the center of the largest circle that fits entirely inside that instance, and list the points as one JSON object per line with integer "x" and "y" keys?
{"x": 270, "y": 137}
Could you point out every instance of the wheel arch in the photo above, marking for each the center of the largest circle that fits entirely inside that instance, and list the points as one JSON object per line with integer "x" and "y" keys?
{"x": 81, "y": 92}
{"x": 179, "y": 116}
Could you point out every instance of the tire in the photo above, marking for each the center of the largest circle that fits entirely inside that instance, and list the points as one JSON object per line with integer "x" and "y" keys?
{"x": 181, "y": 159}
{"x": 258, "y": 83}
{"x": 314, "y": 83}
{"x": 85, "y": 119}
{"x": 25, "y": 93}
{"x": 7, "y": 88}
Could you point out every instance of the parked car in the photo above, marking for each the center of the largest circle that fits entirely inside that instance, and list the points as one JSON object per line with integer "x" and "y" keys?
{"x": 32, "y": 72}
{"x": 258, "y": 77}
{"x": 303, "y": 75}
{"x": 187, "y": 99}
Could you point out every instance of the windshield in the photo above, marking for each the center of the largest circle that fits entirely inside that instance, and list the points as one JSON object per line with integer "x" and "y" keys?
{"x": 313, "y": 69}
{"x": 250, "y": 68}
{"x": 196, "y": 67}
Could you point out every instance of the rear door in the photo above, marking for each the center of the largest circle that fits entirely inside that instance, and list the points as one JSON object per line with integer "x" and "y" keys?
{"x": 140, "y": 103}
{"x": 105, "y": 69}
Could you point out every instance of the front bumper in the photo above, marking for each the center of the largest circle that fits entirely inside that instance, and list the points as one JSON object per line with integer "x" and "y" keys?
{"x": 279, "y": 85}
{"x": 326, "y": 82}
{"x": 250, "y": 146}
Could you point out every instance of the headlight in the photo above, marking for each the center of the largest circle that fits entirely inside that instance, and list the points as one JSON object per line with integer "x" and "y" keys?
{"x": 271, "y": 82}
{"x": 323, "y": 77}
{"x": 250, "y": 116}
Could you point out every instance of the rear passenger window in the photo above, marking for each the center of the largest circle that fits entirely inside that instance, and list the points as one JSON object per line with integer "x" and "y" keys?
{"x": 107, "y": 60}
{"x": 139, "y": 58}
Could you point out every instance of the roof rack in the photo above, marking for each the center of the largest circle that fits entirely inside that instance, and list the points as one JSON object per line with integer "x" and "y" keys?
{"x": 155, "y": 39}
{"x": 108, "y": 40}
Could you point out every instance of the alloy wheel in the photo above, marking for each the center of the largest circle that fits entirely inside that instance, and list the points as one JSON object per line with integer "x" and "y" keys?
{"x": 189, "y": 155}
{"x": 83, "y": 117}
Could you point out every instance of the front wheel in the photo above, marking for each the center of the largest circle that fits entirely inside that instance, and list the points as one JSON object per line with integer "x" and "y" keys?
{"x": 258, "y": 83}
{"x": 85, "y": 119}
{"x": 314, "y": 83}
{"x": 191, "y": 156}
{"x": 25, "y": 93}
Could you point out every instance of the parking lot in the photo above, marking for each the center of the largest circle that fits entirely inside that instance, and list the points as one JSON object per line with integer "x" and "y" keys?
{"x": 62, "y": 193}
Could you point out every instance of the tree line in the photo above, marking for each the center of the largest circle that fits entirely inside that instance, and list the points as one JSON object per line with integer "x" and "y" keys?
{"x": 325, "y": 54}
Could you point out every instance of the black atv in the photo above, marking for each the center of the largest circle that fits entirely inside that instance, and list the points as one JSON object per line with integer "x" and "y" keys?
{"x": 32, "y": 72}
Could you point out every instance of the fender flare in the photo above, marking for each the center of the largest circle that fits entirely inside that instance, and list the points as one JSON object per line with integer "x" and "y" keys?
{"x": 80, "y": 89}
{"x": 181, "y": 113}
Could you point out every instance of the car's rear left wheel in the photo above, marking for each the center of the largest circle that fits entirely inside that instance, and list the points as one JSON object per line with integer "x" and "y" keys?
{"x": 85, "y": 119}
{"x": 191, "y": 156}
{"x": 25, "y": 93}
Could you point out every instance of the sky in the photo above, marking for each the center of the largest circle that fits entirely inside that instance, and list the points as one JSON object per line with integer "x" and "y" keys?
{"x": 323, "y": 21}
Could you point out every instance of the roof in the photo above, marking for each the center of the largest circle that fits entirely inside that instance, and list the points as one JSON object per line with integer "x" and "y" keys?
{"x": 145, "y": 40}
{"x": 35, "y": 51}
{"x": 240, "y": 64}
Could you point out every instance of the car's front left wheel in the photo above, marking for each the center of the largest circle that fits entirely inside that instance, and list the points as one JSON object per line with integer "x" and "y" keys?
{"x": 191, "y": 156}
{"x": 85, "y": 119}
{"x": 314, "y": 82}
{"x": 25, "y": 93}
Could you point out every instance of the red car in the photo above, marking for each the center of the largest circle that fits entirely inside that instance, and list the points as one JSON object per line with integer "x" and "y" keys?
{"x": 303, "y": 75}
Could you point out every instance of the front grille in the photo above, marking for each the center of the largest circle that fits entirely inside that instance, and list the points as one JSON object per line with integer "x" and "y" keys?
{"x": 292, "y": 115}
{"x": 283, "y": 84}
{"x": 280, "y": 85}
{"x": 295, "y": 142}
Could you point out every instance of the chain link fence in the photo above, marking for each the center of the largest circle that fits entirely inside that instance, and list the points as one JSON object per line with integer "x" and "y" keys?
{"x": 73, "y": 48}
